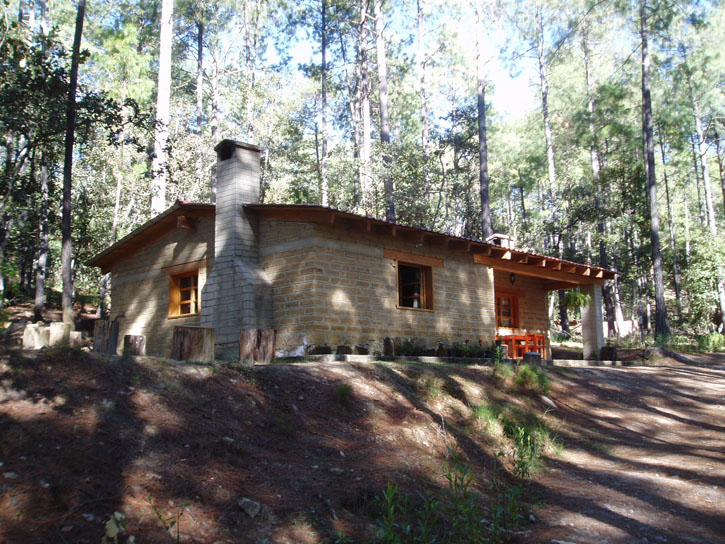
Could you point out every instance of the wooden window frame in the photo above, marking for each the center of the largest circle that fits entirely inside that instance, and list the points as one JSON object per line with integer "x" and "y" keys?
{"x": 426, "y": 264}
{"x": 175, "y": 291}
{"x": 426, "y": 290}
{"x": 514, "y": 303}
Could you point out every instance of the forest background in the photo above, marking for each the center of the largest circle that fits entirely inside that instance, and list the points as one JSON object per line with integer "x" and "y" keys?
{"x": 613, "y": 157}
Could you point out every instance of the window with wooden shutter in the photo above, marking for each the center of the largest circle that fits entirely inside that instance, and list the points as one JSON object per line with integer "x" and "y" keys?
{"x": 184, "y": 294}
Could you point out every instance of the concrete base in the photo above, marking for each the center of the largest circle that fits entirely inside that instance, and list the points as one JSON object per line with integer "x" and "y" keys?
{"x": 35, "y": 336}
{"x": 333, "y": 358}
{"x": 578, "y": 363}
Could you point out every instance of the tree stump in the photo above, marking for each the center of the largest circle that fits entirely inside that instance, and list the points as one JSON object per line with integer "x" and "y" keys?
{"x": 193, "y": 344}
{"x": 256, "y": 345}
{"x": 134, "y": 344}
{"x": 105, "y": 336}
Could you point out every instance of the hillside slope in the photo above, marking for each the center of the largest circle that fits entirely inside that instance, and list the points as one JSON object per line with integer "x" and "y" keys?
{"x": 84, "y": 436}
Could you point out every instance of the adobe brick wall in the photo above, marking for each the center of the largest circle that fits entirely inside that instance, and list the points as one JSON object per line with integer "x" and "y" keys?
{"x": 140, "y": 288}
{"x": 333, "y": 286}
{"x": 533, "y": 301}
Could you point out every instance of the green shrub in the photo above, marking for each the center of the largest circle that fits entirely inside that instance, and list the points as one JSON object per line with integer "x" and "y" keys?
{"x": 471, "y": 350}
{"x": 532, "y": 378}
{"x": 527, "y": 452}
{"x": 498, "y": 353}
{"x": 530, "y": 438}
{"x": 712, "y": 342}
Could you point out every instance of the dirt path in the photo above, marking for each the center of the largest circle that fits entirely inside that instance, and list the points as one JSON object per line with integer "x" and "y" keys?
{"x": 650, "y": 464}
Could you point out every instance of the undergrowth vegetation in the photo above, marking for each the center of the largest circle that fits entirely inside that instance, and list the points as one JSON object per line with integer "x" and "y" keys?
{"x": 463, "y": 512}
{"x": 708, "y": 343}
{"x": 429, "y": 385}
{"x": 456, "y": 514}
{"x": 532, "y": 379}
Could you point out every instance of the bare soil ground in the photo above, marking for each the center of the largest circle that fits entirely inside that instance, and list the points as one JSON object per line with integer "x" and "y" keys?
{"x": 645, "y": 455}
{"x": 84, "y": 435}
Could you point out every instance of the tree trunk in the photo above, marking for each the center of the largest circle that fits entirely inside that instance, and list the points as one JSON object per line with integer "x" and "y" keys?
{"x": 687, "y": 230}
{"x": 596, "y": 175}
{"x": 388, "y": 183}
{"x": 199, "y": 75}
{"x": 662, "y": 328}
{"x": 250, "y": 58}
{"x": 704, "y": 168}
{"x": 353, "y": 88}
{"x": 105, "y": 281}
{"x": 709, "y": 207}
{"x": 544, "y": 82}
{"x": 214, "y": 117}
{"x": 550, "y": 157}
{"x": 323, "y": 36}
{"x": 366, "y": 145}
{"x": 673, "y": 238}
{"x": 563, "y": 315}
{"x": 696, "y": 169}
{"x": 719, "y": 163}
{"x": 163, "y": 100}
{"x": 67, "y": 250}
{"x": 215, "y": 99}
{"x": 42, "y": 270}
{"x": 483, "y": 180}
{"x": 422, "y": 92}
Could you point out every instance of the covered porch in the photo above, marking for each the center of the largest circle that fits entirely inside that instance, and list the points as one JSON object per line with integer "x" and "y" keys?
{"x": 522, "y": 283}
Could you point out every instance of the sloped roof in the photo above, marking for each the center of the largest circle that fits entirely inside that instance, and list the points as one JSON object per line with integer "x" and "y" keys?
{"x": 562, "y": 273}
{"x": 149, "y": 232}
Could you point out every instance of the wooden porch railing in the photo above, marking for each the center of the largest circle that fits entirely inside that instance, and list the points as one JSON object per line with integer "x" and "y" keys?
{"x": 518, "y": 344}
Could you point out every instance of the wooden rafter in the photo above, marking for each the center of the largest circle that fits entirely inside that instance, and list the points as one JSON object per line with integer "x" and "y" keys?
{"x": 528, "y": 270}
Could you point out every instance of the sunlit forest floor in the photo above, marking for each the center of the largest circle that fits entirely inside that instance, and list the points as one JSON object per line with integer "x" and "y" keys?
{"x": 634, "y": 454}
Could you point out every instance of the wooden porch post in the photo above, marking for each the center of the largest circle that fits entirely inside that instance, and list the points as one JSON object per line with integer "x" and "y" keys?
{"x": 592, "y": 333}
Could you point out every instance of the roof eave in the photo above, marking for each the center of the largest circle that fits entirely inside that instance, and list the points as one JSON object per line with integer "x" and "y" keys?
{"x": 99, "y": 260}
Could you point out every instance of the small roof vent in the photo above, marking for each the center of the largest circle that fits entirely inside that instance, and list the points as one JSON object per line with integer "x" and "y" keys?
{"x": 500, "y": 239}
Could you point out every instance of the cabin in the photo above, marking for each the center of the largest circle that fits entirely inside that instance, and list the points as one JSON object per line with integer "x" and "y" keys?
{"x": 325, "y": 278}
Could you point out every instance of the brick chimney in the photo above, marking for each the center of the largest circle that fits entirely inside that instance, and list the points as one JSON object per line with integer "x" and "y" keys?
{"x": 237, "y": 295}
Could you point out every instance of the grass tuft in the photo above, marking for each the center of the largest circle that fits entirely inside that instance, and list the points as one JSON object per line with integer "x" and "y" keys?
{"x": 429, "y": 385}
{"x": 532, "y": 379}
